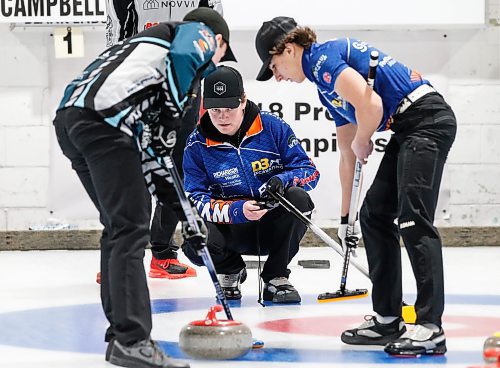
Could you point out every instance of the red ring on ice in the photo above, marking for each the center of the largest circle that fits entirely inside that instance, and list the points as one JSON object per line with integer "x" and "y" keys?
{"x": 454, "y": 326}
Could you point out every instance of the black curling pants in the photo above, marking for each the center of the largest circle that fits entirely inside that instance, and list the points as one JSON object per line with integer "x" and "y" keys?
{"x": 166, "y": 216}
{"x": 278, "y": 234}
{"x": 406, "y": 187}
{"x": 108, "y": 164}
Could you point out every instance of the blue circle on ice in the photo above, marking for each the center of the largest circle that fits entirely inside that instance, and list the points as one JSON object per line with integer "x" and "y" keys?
{"x": 80, "y": 328}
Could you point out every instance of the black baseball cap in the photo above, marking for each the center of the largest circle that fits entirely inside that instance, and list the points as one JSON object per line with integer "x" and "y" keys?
{"x": 268, "y": 36}
{"x": 223, "y": 88}
{"x": 216, "y": 23}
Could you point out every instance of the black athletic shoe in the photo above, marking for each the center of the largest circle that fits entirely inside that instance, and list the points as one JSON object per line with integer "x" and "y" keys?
{"x": 143, "y": 354}
{"x": 231, "y": 284}
{"x": 279, "y": 290}
{"x": 418, "y": 341}
{"x": 372, "y": 332}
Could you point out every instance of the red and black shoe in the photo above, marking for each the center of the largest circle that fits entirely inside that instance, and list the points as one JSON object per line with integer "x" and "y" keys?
{"x": 170, "y": 268}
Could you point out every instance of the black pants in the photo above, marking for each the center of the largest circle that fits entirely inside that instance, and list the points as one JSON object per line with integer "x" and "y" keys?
{"x": 166, "y": 216}
{"x": 109, "y": 166}
{"x": 277, "y": 233}
{"x": 406, "y": 187}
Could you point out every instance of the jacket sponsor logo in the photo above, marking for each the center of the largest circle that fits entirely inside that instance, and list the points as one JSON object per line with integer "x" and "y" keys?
{"x": 228, "y": 173}
{"x": 387, "y": 60}
{"x": 220, "y": 88}
{"x": 337, "y": 102}
{"x": 327, "y": 77}
{"x": 151, "y": 4}
{"x": 209, "y": 39}
{"x": 170, "y": 140}
{"x": 415, "y": 76}
{"x": 406, "y": 224}
{"x": 150, "y": 24}
{"x": 216, "y": 211}
{"x": 203, "y": 45}
{"x": 265, "y": 165}
{"x": 360, "y": 45}
{"x": 307, "y": 180}
{"x": 292, "y": 141}
{"x": 317, "y": 67}
{"x": 199, "y": 50}
{"x": 157, "y": 4}
{"x": 141, "y": 83}
{"x": 109, "y": 31}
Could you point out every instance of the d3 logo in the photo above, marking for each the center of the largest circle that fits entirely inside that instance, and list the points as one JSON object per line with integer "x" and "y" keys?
{"x": 220, "y": 88}
{"x": 263, "y": 164}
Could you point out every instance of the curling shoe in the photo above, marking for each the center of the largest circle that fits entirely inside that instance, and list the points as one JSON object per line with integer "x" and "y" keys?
{"x": 231, "y": 284}
{"x": 420, "y": 340}
{"x": 170, "y": 268}
{"x": 280, "y": 290}
{"x": 143, "y": 354}
{"x": 372, "y": 332}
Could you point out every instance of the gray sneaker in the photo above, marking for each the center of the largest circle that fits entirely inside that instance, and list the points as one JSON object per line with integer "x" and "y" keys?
{"x": 142, "y": 354}
{"x": 231, "y": 284}
{"x": 280, "y": 290}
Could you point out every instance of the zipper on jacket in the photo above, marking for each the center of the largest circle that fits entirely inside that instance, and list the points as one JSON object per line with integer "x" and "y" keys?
{"x": 243, "y": 168}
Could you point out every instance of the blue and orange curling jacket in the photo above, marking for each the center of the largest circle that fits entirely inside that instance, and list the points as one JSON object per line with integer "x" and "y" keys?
{"x": 222, "y": 172}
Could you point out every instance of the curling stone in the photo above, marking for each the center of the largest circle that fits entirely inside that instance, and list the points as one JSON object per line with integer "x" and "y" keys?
{"x": 215, "y": 339}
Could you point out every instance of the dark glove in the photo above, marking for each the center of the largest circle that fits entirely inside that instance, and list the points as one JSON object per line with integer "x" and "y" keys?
{"x": 187, "y": 232}
{"x": 159, "y": 129}
{"x": 190, "y": 249}
{"x": 192, "y": 239}
{"x": 349, "y": 236}
{"x": 275, "y": 186}
{"x": 267, "y": 203}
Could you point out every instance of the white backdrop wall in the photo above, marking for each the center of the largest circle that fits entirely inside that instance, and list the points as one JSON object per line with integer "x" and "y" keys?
{"x": 359, "y": 14}
{"x": 36, "y": 182}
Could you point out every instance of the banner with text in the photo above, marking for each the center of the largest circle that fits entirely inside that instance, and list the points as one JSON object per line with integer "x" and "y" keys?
{"x": 299, "y": 106}
{"x": 50, "y": 11}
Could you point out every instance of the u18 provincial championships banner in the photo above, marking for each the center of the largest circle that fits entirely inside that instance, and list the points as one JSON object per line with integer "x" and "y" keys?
{"x": 45, "y": 11}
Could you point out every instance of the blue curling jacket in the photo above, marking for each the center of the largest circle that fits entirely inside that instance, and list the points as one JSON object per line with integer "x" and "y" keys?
{"x": 219, "y": 176}
{"x": 322, "y": 64}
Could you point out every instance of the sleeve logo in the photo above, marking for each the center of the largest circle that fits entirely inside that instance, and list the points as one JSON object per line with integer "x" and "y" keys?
{"x": 292, "y": 141}
{"x": 327, "y": 77}
{"x": 318, "y": 64}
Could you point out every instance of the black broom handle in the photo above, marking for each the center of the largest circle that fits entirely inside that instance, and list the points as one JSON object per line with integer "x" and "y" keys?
{"x": 203, "y": 252}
